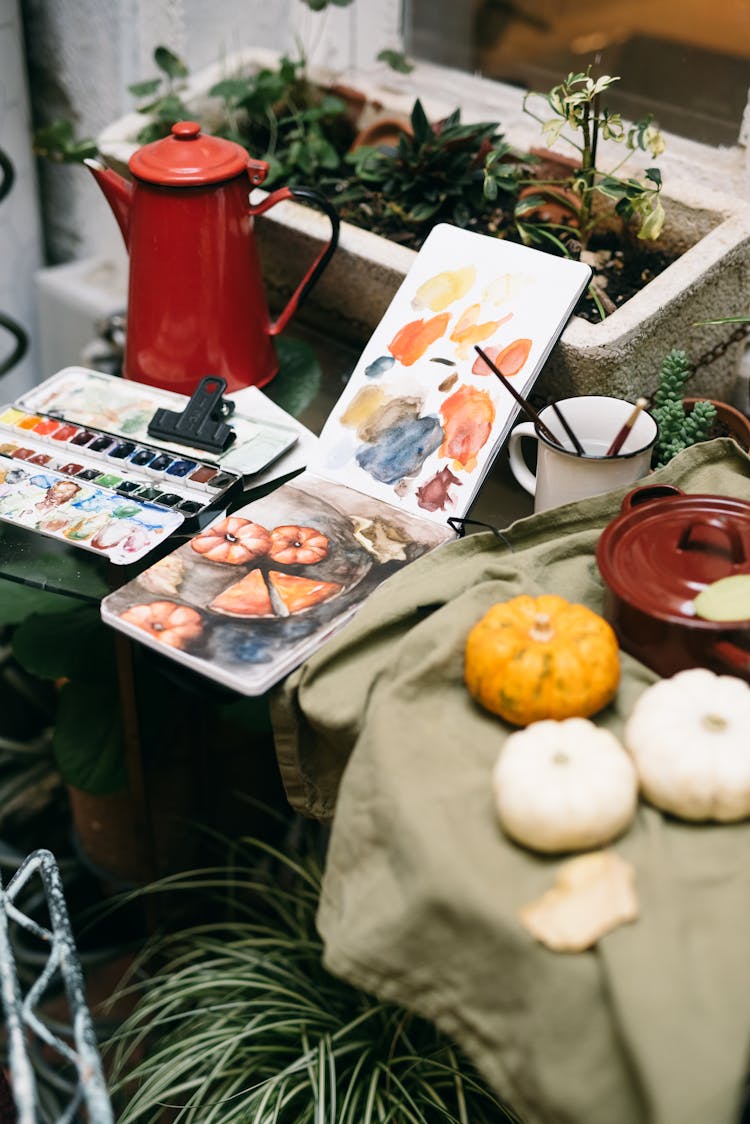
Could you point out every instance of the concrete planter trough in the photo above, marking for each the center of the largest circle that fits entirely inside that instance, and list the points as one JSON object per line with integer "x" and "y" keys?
{"x": 619, "y": 356}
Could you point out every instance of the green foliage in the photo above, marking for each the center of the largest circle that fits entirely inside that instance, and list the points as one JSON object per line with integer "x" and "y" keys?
{"x": 160, "y": 97}
{"x": 242, "y": 1023}
{"x": 576, "y": 107}
{"x": 448, "y": 172}
{"x": 58, "y": 142}
{"x": 677, "y": 429}
{"x": 76, "y": 650}
{"x": 397, "y": 61}
{"x": 281, "y": 117}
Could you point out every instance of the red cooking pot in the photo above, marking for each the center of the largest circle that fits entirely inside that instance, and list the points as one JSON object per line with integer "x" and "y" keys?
{"x": 655, "y": 558}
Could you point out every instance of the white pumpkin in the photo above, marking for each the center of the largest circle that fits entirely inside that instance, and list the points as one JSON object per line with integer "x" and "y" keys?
{"x": 690, "y": 739}
{"x": 564, "y": 786}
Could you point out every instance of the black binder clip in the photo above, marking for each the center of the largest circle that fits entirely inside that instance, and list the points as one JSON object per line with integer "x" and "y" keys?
{"x": 201, "y": 424}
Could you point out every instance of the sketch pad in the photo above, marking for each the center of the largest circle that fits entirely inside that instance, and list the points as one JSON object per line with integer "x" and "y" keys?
{"x": 407, "y": 446}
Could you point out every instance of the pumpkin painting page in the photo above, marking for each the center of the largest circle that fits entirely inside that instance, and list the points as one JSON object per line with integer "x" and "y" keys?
{"x": 422, "y": 416}
{"x": 249, "y": 596}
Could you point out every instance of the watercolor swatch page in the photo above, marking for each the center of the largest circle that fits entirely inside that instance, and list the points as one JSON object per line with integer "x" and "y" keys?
{"x": 406, "y": 446}
{"x": 422, "y": 416}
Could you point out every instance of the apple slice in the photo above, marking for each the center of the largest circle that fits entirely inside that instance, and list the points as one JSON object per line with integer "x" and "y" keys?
{"x": 725, "y": 600}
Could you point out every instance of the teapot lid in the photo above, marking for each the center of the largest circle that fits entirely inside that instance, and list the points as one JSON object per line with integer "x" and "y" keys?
{"x": 189, "y": 157}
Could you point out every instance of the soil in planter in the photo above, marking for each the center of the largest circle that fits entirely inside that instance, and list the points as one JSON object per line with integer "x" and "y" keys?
{"x": 620, "y": 270}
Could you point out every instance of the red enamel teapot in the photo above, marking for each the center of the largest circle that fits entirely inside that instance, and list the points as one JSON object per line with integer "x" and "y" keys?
{"x": 196, "y": 302}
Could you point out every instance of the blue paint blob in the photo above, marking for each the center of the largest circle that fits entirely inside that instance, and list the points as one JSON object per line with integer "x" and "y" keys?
{"x": 402, "y": 449}
{"x": 379, "y": 366}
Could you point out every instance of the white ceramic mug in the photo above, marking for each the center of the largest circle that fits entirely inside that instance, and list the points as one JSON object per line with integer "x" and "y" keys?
{"x": 563, "y": 476}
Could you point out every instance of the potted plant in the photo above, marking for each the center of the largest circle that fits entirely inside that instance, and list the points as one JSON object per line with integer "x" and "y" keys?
{"x": 686, "y": 421}
{"x": 237, "y": 1016}
{"x": 707, "y": 234}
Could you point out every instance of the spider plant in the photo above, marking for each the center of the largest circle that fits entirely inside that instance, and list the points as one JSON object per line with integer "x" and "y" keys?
{"x": 239, "y": 1021}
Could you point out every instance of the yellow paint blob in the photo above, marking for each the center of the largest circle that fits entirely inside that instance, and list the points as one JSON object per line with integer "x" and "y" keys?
{"x": 444, "y": 288}
{"x": 363, "y": 405}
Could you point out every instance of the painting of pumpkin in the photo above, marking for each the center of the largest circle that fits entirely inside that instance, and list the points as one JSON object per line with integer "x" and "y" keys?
{"x": 233, "y": 540}
{"x": 166, "y": 621}
{"x": 411, "y": 341}
{"x": 302, "y": 546}
{"x": 467, "y": 421}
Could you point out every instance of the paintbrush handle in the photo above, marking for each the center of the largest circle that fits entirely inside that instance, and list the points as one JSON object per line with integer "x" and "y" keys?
{"x": 622, "y": 434}
{"x": 522, "y": 402}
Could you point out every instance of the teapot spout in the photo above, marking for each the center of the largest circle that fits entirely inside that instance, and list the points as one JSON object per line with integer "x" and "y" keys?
{"x": 117, "y": 191}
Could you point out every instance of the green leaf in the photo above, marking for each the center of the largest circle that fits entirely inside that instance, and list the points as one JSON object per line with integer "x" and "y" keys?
{"x": 419, "y": 123}
{"x": 17, "y": 602}
{"x": 169, "y": 62}
{"x": 652, "y": 225}
{"x": 654, "y": 175}
{"x": 145, "y": 89}
{"x": 88, "y": 739}
{"x": 298, "y": 381}
{"x": 73, "y": 644}
{"x": 170, "y": 109}
{"x": 231, "y": 89}
{"x": 397, "y": 61}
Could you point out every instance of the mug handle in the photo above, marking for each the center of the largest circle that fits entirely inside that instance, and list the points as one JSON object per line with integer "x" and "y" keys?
{"x": 314, "y": 272}
{"x": 518, "y": 466}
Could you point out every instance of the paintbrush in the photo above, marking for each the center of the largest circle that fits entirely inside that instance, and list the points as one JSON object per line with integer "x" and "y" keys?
{"x": 622, "y": 435}
{"x": 564, "y": 423}
{"x": 525, "y": 406}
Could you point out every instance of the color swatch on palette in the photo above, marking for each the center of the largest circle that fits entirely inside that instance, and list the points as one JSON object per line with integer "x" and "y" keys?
{"x": 75, "y": 465}
{"x": 79, "y": 510}
{"x": 105, "y": 404}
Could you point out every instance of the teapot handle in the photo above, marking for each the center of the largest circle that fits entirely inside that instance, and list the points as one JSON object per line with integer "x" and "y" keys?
{"x": 314, "y": 272}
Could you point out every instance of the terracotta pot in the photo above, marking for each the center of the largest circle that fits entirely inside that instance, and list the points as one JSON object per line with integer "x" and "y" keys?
{"x": 655, "y": 558}
{"x": 737, "y": 423}
{"x": 383, "y": 131}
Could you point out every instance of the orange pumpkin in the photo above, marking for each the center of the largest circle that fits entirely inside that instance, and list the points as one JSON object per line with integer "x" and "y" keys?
{"x": 166, "y": 621}
{"x": 233, "y": 540}
{"x": 303, "y": 545}
{"x": 532, "y": 658}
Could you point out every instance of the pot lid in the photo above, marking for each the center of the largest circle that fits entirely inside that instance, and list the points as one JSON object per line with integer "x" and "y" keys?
{"x": 188, "y": 158}
{"x": 667, "y": 546}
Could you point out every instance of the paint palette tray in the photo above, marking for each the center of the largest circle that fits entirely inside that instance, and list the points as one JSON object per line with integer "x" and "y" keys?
{"x": 110, "y": 490}
{"x": 121, "y": 408}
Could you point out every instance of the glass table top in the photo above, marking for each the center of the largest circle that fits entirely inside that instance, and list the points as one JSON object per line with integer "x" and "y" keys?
{"x": 314, "y": 371}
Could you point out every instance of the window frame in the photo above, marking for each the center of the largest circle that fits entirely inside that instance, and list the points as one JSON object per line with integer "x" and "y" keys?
{"x": 350, "y": 39}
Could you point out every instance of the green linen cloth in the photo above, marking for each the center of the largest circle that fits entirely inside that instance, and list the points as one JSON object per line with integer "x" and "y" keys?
{"x": 421, "y": 890}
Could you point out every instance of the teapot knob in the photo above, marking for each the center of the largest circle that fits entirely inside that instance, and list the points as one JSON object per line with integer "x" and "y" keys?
{"x": 186, "y": 130}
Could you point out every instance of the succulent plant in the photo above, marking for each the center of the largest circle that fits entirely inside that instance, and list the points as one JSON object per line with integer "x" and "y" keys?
{"x": 678, "y": 428}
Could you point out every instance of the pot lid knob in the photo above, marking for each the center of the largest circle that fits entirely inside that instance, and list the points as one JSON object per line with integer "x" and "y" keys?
{"x": 189, "y": 157}
{"x": 186, "y": 130}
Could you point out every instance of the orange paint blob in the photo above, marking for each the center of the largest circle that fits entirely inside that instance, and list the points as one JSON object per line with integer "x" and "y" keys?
{"x": 411, "y": 341}
{"x": 512, "y": 358}
{"x": 467, "y": 421}
{"x": 509, "y": 359}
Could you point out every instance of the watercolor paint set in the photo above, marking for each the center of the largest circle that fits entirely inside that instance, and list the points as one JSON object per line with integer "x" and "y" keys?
{"x": 109, "y": 487}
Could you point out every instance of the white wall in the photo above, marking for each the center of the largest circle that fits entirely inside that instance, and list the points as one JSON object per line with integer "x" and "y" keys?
{"x": 82, "y": 56}
{"x": 20, "y": 234}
